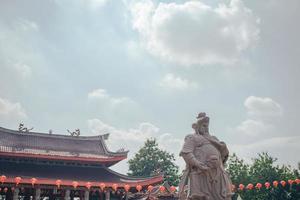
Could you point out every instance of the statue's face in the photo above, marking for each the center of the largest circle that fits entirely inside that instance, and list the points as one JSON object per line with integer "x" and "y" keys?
{"x": 203, "y": 128}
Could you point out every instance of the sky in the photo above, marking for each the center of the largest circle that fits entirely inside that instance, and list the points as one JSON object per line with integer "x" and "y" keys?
{"x": 141, "y": 69}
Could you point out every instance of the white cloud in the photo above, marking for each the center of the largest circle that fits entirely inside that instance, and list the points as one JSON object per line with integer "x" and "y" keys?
{"x": 23, "y": 70}
{"x": 134, "y": 138}
{"x": 170, "y": 81}
{"x": 260, "y": 134}
{"x": 101, "y": 94}
{"x": 9, "y": 110}
{"x": 26, "y": 25}
{"x": 262, "y": 106}
{"x": 95, "y": 4}
{"x": 283, "y": 148}
{"x": 195, "y": 33}
{"x": 254, "y": 128}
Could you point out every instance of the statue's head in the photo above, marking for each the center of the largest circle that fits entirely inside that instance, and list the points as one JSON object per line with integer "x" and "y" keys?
{"x": 202, "y": 125}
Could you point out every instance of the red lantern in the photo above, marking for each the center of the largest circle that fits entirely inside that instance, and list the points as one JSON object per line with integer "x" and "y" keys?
{"x": 290, "y": 182}
{"x": 258, "y": 186}
{"x": 18, "y": 180}
{"x": 127, "y": 188}
{"x": 2, "y": 179}
{"x": 173, "y": 189}
{"x": 241, "y": 187}
{"x": 0, "y": 189}
{"x": 102, "y": 186}
{"x": 12, "y": 189}
{"x": 267, "y": 185}
{"x": 75, "y": 184}
{"x": 33, "y": 181}
{"x": 283, "y": 183}
{"x": 275, "y": 183}
{"x": 88, "y": 185}
{"x": 115, "y": 186}
{"x": 250, "y": 186}
{"x": 150, "y": 188}
{"x": 5, "y": 190}
{"x": 162, "y": 188}
{"x": 58, "y": 183}
{"x": 138, "y": 188}
{"x": 297, "y": 181}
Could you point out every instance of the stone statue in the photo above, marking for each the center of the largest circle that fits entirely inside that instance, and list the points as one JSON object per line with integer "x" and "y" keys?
{"x": 205, "y": 157}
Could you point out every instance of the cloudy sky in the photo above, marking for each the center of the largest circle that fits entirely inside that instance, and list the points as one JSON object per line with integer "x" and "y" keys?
{"x": 145, "y": 68}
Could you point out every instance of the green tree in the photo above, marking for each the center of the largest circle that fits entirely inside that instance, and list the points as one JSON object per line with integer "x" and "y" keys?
{"x": 261, "y": 170}
{"x": 150, "y": 159}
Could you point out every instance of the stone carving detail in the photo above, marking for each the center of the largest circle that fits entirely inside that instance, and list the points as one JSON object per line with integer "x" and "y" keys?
{"x": 74, "y": 133}
{"x": 24, "y": 129}
{"x": 205, "y": 157}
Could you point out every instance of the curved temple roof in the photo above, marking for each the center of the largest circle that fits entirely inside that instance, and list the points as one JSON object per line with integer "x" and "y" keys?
{"x": 58, "y": 147}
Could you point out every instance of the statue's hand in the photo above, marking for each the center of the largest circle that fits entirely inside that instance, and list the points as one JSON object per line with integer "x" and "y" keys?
{"x": 202, "y": 166}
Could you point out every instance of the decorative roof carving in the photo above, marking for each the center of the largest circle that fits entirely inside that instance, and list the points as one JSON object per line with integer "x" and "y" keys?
{"x": 45, "y": 144}
{"x": 24, "y": 129}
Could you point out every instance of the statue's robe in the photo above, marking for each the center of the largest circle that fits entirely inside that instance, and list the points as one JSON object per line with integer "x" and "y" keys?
{"x": 211, "y": 184}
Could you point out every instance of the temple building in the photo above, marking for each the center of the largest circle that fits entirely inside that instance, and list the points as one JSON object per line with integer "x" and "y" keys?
{"x": 52, "y": 166}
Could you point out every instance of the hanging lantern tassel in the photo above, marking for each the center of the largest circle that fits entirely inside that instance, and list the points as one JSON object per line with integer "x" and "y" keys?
{"x": 150, "y": 188}
{"x": 33, "y": 181}
{"x": 115, "y": 186}
{"x": 102, "y": 186}
{"x": 18, "y": 180}
{"x": 58, "y": 183}
{"x": 2, "y": 179}
{"x": 126, "y": 188}
{"x": 173, "y": 189}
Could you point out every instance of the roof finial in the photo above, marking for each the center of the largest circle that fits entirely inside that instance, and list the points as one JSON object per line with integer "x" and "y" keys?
{"x": 74, "y": 133}
{"x": 24, "y": 129}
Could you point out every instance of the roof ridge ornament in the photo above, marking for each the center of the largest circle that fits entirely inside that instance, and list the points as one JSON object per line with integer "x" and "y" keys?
{"x": 75, "y": 133}
{"x": 24, "y": 129}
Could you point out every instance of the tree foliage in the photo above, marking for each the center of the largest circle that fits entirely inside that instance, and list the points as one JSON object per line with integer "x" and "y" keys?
{"x": 263, "y": 169}
{"x": 150, "y": 160}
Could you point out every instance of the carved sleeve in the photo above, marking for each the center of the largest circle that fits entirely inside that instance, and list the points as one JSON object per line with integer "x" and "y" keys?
{"x": 187, "y": 153}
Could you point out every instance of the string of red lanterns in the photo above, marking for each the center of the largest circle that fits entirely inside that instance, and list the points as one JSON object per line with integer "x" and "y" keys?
{"x": 162, "y": 189}
{"x": 267, "y": 185}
